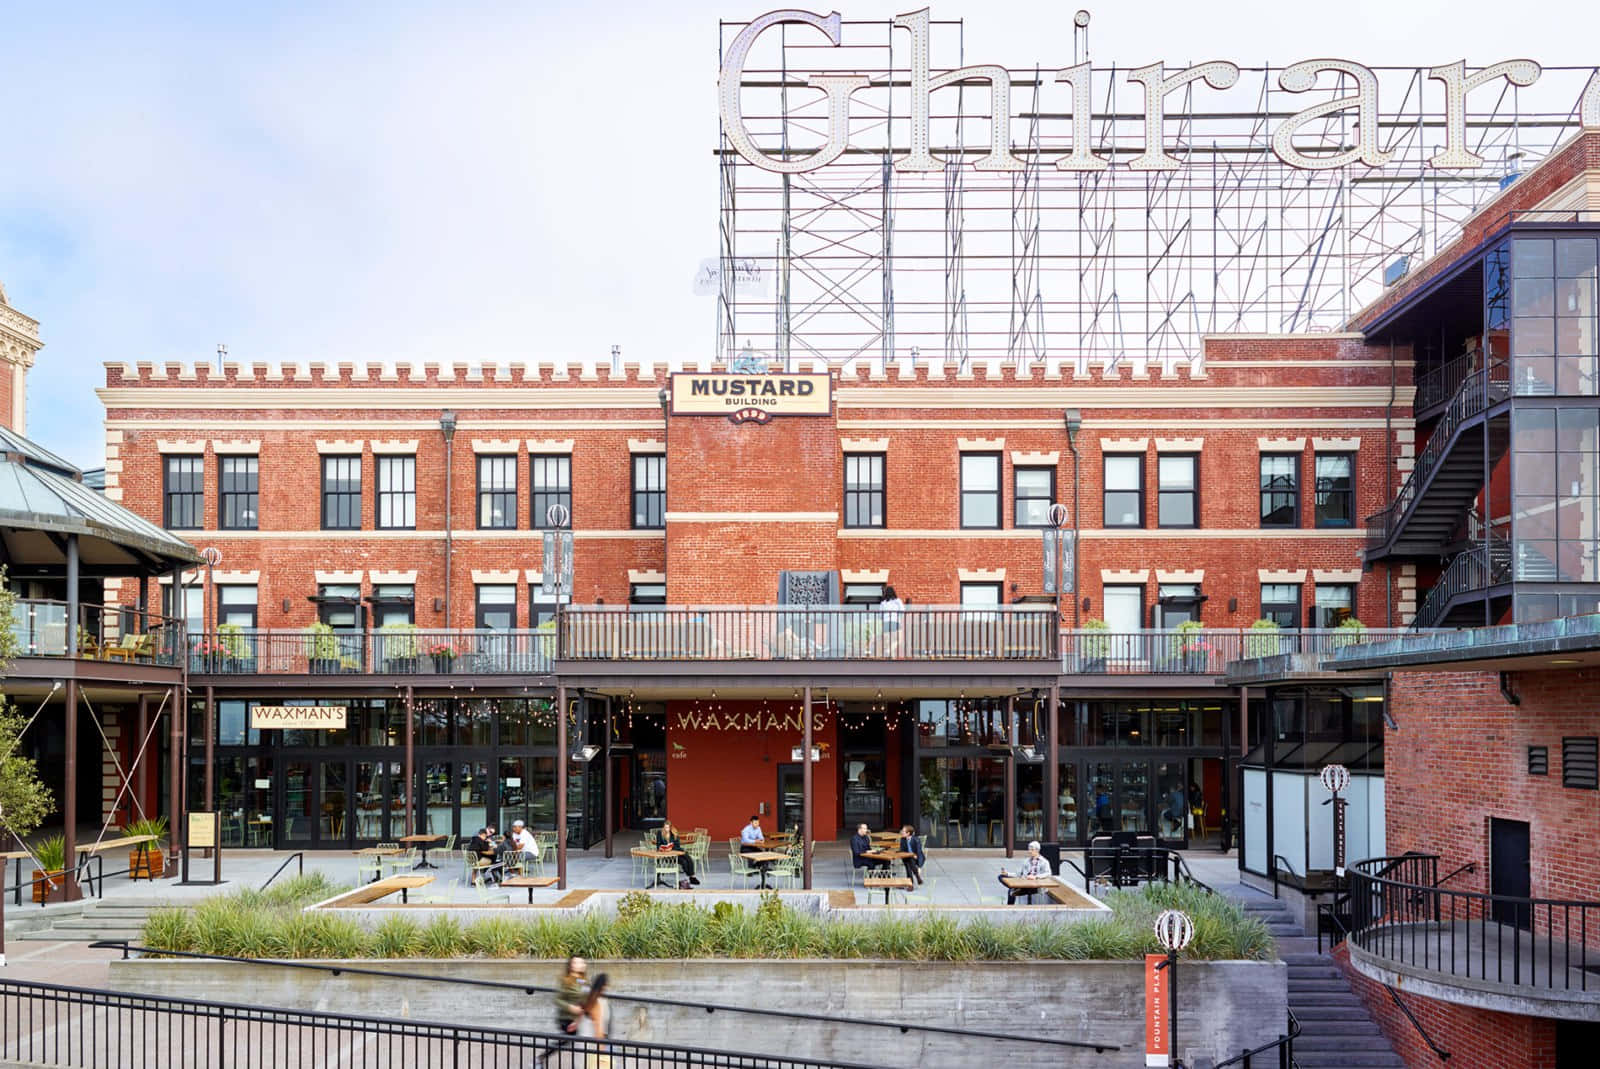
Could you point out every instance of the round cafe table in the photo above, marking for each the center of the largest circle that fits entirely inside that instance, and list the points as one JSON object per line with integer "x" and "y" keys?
{"x": 422, "y": 843}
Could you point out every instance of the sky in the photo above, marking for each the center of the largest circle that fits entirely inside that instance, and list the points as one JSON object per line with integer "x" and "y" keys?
{"x": 471, "y": 181}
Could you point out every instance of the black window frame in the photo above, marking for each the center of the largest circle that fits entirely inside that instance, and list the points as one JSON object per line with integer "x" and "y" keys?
{"x": 1349, "y": 493}
{"x": 998, "y": 588}
{"x": 225, "y": 609}
{"x": 859, "y": 497}
{"x": 539, "y": 465}
{"x": 497, "y": 494}
{"x": 646, "y": 593}
{"x": 235, "y": 501}
{"x": 407, "y": 463}
{"x": 1106, "y": 491}
{"x": 1017, "y": 497}
{"x": 1317, "y": 620}
{"x": 998, "y": 493}
{"x": 186, "y": 502}
{"x": 647, "y": 491}
{"x": 392, "y": 600}
{"x": 541, "y": 606}
{"x": 1192, "y": 492}
{"x": 481, "y": 609}
{"x": 1274, "y": 610}
{"x": 341, "y": 501}
{"x": 1270, "y": 492}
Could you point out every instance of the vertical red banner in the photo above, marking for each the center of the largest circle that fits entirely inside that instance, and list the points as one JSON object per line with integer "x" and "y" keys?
{"x": 1157, "y": 1011}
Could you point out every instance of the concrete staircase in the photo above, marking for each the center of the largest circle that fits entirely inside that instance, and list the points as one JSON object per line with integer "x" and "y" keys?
{"x": 1336, "y": 1031}
{"x": 97, "y": 920}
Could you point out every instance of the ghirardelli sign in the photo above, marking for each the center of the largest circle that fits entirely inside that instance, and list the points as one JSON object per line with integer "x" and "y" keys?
{"x": 1453, "y": 81}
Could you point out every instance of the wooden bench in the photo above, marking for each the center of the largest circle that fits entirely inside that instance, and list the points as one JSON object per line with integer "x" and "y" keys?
{"x": 1061, "y": 895}
{"x": 530, "y": 882}
{"x": 371, "y": 892}
{"x": 140, "y": 844}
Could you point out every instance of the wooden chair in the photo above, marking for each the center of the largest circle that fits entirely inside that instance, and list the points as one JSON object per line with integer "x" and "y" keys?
{"x": 130, "y": 648}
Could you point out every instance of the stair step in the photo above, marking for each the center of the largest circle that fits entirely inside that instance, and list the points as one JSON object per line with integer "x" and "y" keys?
{"x": 1343, "y": 1040}
{"x": 1322, "y": 1017}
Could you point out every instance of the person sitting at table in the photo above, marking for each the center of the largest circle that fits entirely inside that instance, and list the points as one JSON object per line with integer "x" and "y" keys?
{"x": 860, "y": 844}
{"x": 911, "y": 843}
{"x": 752, "y": 840}
{"x": 1035, "y": 867}
{"x": 666, "y": 838}
{"x": 483, "y": 848}
{"x": 523, "y": 842}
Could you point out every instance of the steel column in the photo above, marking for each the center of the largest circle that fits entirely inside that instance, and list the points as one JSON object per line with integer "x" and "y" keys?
{"x": 562, "y": 760}
{"x": 174, "y": 785}
{"x": 208, "y": 803}
{"x": 805, "y": 790}
{"x": 1011, "y": 772}
{"x": 69, "y": 805}
{"x": 605, "y": 776}
{"x": 411, "y": 762}
{"x": 1052, "y": 766}
{"x": 141, "y": 779}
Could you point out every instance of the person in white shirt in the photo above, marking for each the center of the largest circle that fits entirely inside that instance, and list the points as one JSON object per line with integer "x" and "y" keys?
{"x": 522, "y": 839}
{"x": 1033, "y": 867}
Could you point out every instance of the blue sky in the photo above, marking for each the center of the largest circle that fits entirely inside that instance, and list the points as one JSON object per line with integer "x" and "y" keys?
{"x": 464, "y": 181}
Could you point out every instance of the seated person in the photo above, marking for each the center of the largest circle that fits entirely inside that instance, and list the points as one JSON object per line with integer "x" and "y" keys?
{"x": 484, "y": 848}
{"x": 666, "y": 838}
{"x": 752, "y": 840}
{"x": 1033, "y": 867}
{"x": 911, "y": 843}
{"x": 521, "y": 841}
{"x": 860, "y": 843}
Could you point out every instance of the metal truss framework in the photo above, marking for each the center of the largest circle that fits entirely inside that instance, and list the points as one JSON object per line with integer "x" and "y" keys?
{"x": 1096, "y": 269}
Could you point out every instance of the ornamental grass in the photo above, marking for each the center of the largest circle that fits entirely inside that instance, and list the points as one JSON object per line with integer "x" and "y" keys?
{"x": 249, "y": 924}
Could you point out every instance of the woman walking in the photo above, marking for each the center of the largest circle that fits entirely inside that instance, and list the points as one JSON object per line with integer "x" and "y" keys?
{"x": 595, "y": 1022}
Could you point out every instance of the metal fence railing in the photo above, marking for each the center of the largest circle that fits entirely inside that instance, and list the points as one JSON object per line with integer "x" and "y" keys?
{"x": 405, "y": 652}
{"x": 103, "y": 632}
{"x": 1206, "y": 651}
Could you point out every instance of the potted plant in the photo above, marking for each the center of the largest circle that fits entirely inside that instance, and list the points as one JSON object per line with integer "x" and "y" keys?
{"x": 1350, "y": 632}
{"x": 1094, "y": 645}
{"x": 149, "y": 863}
{"x": 1263, "y": 639}
{"x": 210, "y": 655}
{"x": 444, "y": 657}
{"x": 322, "y": 649}
{"x": 399, "y": 645}
{"x": 235, "y": 649}
{"x": 1193, "y": 650}
{"x": 51, "y": 852}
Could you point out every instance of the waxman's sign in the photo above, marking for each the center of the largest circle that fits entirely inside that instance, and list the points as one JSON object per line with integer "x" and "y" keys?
{"x": 299, "y": 717}
{"x": 752, "y": 398}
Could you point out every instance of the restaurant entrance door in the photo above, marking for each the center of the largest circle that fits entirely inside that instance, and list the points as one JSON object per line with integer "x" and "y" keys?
{"x": 1145, "y": 796}
{"x": 315, "y": 803}
{"x": 791, "y": 796}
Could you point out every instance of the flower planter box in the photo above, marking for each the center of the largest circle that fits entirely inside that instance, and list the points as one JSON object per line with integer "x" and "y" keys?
{"x": 443, "y": 665}
{"x": 323, "y": 666}
{"x": 48, "y": 885}
{"x": 401, "y": 666}
{"x": 151, "y": 867}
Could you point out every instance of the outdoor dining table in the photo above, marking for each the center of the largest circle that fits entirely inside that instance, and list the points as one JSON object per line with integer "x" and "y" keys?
{"x": 1030, "y": 885}
{"x": 763, "y": 861}
{"x": 888, "y": 883}
{"x": 422, "y": 843}
{"x": 650, "y": 851}
{"x": 530, "y": 882}
{"x": 378, "y": 851}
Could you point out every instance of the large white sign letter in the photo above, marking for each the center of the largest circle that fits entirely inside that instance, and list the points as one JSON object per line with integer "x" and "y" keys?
{"x": 1219, "y": 74}
{"x": 999, "y": 157}
{"x": 1082, "y": 157}
{"x": 1299, "y": 77}
{"x": 838, "y": 87}
{"x": 1456, "y": 87}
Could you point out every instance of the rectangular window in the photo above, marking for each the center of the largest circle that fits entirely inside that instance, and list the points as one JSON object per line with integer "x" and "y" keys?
{"x": 1033, "y": 492}
{"x": 1177, "y": 491}
{"x": 497, "y": 492}
{"x": 650, "y": 492}
{"x": 1280, "y": 603}
{"x": 397, "y": 493}
{"x": 236, "y": 604}
{"x": 1177, "y": 604}
{"x": 1124, "y": 491}
{"x": 238, "y": 493}
{"x": 1336, "y": 494}
{"x": 1124, "y": 608}
{"x": 863, "y": 593}
{"x": 339, "y": 605}
{"x": 1335, "y": 603}
{"x": 341, "y": 493}
{"x": 1280, "y": 490}
{"x": 980, "y": 593}
{"x": 496, "y": 607}
{"x": 980, "y": 489}
{"x": 394, "y": 603}
{"x": 647, "y": 593}
{"x": 183, "y": 493}
{"x": 542, "y": 606}
{"x": 552, "y": 485}
{"x": 863, "y": 489}
{"x": 193, "y": 611}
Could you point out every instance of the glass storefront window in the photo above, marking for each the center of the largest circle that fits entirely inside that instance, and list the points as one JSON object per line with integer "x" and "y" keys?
{"x": 1030, "y": 803}
{"x": 962, "y": 800}
{"x": 1067, "y": 817}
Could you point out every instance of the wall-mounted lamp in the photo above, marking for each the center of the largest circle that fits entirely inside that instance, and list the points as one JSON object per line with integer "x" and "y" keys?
{"x": 447, "y": 424}
{"x": 1073, "y": 418}
{"x": 1233, "y": 604}
{"x": 438, "y": 605}
{"x": 286, "y": 604}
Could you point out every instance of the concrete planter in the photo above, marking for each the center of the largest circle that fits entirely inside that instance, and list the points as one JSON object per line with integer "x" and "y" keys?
{"x": 1224, "y": 1007}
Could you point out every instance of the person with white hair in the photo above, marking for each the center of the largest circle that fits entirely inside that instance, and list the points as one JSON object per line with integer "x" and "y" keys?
{"x": 1033, "y": 868}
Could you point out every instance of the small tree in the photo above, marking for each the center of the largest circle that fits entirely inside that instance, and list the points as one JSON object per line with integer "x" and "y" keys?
{"x": 24, "y": 799}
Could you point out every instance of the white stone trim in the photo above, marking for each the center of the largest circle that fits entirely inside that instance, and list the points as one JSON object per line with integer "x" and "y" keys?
{"x": 112, "y": 467}
{"x": 113, "y": 493}
{"x": 752, "y": 517}
{"x": 646, "y": 575}
{"x": 534, "y": 578}
{"x": 1336, "y": 575}
{"x": 879, "y": 576}
{"x": 180, "y": 445}
{"x": 386, "y": 578}
{"x": 549, "y": 446}
{"x": 1336, "y": 445}
{"x": 980, "y": 445}
{"x": 981, "y": 575}
{"x": 114, "y": 437}
{"x": 1124, "y": 445}
{"x": 1281, "y": 445}
{"x": 1118, "y": 576}
{"x": 496, "y": 446}
{"x": 223, "y": 447}
{"x": 646, "y": 445}
{"x": 1181, "y": 577}
{"x": 1035, "y": 460}
{"x": 1179, "y": 445}
{"x": 492, "y": 575}
{"x": 338, "y": 577}
{"x": 863, "y": 445}
{"x": 395, "y": 448}
{"x": 1281, "y": 575}
{"x": 340, "y": 447}
{"x": 239, "y": 578}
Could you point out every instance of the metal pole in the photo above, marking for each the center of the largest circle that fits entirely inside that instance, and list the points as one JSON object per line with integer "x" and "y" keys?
{"x": 210, "y": 735}
{"x": 69, "y": 804}
{"x": 561, "y": 780}
{"x": 1011, "y": 771}
{"x": 1052, "y": 766}
{"x": 805, "y": 784}
{"x": 1172, "y": 971}
{"x": 174, "y": 788}
{"x": 605, "y": 776}
{"x": 141, "y": 778}
{"x": 411, "y": 760}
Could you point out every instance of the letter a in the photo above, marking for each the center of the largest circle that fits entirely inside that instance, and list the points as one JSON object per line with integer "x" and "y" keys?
{"x": 1299, "y": 77}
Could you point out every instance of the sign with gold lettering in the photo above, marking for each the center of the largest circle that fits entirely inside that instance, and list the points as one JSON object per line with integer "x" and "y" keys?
{"x": 298, "y": 717}
{"x": 755, "y": 398}
{"x": 202, "y": 831}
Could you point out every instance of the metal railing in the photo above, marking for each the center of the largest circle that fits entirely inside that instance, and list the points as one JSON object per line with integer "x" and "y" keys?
{"x": 1483, "y": 388}
{"x": 1207, "y": 651}
{"x": 104, "y": 633}
{"x": 1478, "y": 567}
{"x": 411, "y": 652}
{"x": 1406, "y": 918}
{"x": 807, "y": 633}
{"x": 1128, "y": 866}
{"x": 1440, "y": 384}
{"x": 299, "y": 856}
{"x": 1282, "y": 1049}
{"x": 46, "y": 1024}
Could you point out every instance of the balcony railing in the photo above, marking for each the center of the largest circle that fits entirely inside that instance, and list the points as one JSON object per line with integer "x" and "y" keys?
{"x": 1404, "y": 918}
{"x": 473, "y": 651}
{"x": 1204, "y": 652}
{"x": 1478, "y": 567}
{"x": 104, "y": 633}
{"x": 808, "y": 633}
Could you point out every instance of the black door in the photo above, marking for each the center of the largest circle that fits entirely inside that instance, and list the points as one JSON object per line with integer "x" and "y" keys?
{"x": 791, "y": 796}
{"x": 1509, "y": 871}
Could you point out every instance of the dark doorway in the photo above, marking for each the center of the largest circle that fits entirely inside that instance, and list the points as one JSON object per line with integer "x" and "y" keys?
{"x": 1510, "y": 872}
{"x": 791, "y": 795}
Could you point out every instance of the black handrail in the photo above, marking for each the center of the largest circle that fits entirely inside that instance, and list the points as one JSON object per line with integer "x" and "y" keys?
{"x": 1469, "y": 867}
{"x": 1286, "y": 864}
{"x": 1284, "y": 1045}
{"x": 1443, "y": 1055}
{"x": 530, "y": 989}
{"x": 300, "y": 855}
{"x": 1125, "y": 871}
